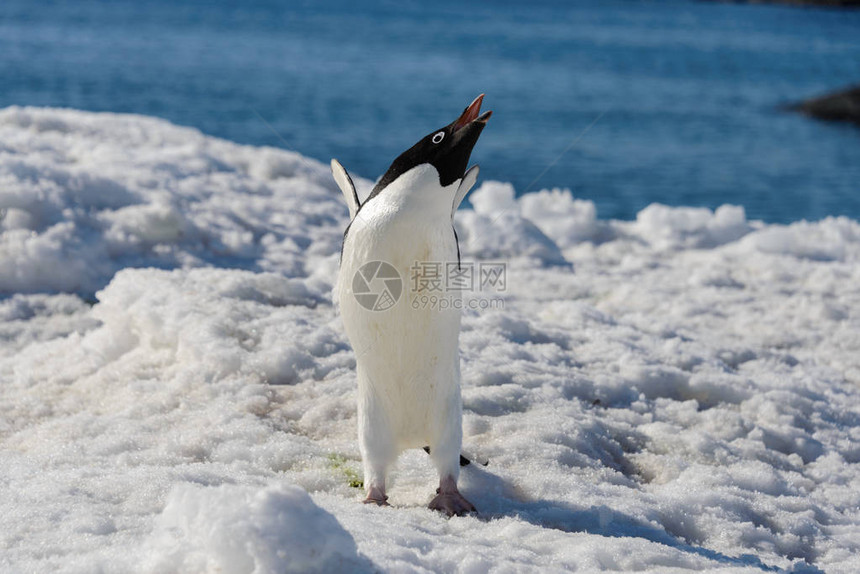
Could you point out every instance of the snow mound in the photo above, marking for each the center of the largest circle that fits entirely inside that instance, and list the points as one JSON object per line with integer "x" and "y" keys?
{"x": 831, "y": 239}
{"x": 689, "y": 227}
{"x": 208, "y": 317}
{"x": 86, "y": 195}
{"x": 565, "y": 220}
{"x": 244, "y": 530}
{"x": 497, "y": 229}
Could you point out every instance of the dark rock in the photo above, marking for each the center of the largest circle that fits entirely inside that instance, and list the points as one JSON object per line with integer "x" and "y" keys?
{"x": 842, "y": 106}
{"x": 819, "y": 3}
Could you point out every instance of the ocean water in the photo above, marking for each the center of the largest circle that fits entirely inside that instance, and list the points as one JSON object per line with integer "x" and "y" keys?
{"x": 625, "y": 103}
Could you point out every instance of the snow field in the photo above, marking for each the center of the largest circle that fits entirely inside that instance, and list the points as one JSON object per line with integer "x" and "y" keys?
{"x": 675, "y": 393}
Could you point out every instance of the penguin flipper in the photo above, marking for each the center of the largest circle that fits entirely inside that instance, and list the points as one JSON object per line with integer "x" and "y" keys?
{"x": 344, "y": 182}
{"x": 466, "y": 184}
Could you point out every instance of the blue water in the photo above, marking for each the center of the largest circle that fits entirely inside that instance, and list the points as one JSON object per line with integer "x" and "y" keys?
{"x": 690, "y": 92}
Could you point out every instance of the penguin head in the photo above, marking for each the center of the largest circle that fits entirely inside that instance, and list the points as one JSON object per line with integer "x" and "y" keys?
{"x": 447, "y": 149}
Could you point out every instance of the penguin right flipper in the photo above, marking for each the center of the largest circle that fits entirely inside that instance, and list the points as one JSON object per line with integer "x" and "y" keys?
{"x": 344, "y": 182}
{"x": 469, "y": 179}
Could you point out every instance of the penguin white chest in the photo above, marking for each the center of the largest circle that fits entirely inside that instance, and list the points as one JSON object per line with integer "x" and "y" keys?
{"x": 406, "y": 353}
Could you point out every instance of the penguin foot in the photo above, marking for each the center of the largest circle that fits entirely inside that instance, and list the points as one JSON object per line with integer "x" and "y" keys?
{"x": 452, "y": 504}
{"x": 449, "y": 500}
{"x": 376, "y": 496}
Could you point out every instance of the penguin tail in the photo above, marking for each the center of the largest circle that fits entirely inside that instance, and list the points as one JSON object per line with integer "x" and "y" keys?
{"x": 463, "y": 460}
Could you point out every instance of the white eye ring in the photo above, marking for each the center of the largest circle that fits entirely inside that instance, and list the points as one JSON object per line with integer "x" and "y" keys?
{"x": 438, "y": 136}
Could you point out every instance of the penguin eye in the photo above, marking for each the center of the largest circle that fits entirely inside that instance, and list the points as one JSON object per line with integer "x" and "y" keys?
{"x": 438, "y": 136}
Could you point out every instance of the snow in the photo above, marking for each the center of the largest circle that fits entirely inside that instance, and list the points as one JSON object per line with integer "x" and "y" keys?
{"x": 247, "y": 529}
{"x": 676, "y": 393}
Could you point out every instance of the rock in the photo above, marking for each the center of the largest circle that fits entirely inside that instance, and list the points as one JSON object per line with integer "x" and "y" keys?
{"x": 834, "y": 3}
{"x": 843, "y": 105}
{"x": 821, "y": 3}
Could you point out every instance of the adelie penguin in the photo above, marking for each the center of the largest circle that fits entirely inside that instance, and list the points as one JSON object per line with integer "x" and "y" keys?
{"x": 407, "y": 356}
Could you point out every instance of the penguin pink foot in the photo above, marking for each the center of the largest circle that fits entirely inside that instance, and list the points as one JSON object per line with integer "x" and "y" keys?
{"x": 449, "y": 500}
{"x": 376, "y": 495}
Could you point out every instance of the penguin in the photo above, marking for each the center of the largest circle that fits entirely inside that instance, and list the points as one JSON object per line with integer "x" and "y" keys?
{"x": 407, "y": 354}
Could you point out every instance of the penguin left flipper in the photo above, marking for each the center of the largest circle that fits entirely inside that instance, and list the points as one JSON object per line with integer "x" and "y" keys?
{"x": 469, "y": 179}
{"x": 344, "y": 182}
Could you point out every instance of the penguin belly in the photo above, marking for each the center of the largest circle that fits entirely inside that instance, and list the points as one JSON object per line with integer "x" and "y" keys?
{"x": 407, "y": 356}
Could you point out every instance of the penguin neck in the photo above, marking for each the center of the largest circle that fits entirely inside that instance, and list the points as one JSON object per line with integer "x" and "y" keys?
{"x": 419, "y": 191}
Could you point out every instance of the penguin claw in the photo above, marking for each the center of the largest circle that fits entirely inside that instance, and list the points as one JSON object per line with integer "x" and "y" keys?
{"x": 452, "y": 504}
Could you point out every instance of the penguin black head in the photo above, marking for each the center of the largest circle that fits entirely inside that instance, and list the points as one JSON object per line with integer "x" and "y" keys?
{"x": 447, "y": 149}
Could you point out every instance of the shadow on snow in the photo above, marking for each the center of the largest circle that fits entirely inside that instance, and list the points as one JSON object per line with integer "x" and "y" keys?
{"x": 496, "y": 498}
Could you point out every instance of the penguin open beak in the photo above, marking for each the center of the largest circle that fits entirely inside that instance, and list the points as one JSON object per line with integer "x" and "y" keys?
{"x": 470, "y": 114}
